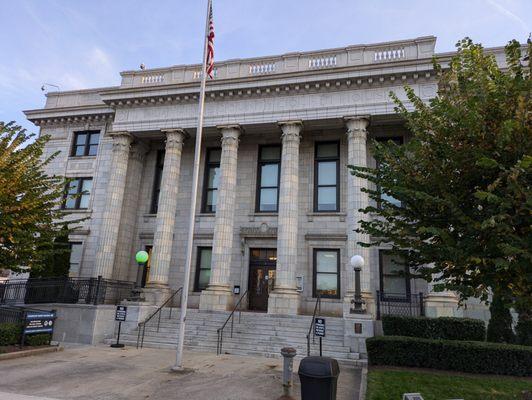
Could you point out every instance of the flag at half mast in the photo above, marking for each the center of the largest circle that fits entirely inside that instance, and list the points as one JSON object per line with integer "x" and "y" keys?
{"x": 210, "y": 46}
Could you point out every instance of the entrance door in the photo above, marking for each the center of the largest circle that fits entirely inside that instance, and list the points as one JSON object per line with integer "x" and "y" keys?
{"x": 261, "y": 277}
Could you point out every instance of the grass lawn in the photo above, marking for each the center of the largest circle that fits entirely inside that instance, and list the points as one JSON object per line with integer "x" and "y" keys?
{"x": 390, "y": 384}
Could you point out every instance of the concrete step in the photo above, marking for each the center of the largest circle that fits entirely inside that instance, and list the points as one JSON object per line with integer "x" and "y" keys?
{"x": 257, "y": 334}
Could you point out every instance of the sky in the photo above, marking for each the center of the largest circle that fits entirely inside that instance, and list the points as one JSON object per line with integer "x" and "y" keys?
{"x": 78, "y": 44}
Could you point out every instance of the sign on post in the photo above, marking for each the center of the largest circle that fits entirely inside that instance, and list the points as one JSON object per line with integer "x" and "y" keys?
{"x": 120, "y": 316}
{"x": 319, "y": 327}
{"x": 121, "y": 313}
{"x": 39, "y": 322}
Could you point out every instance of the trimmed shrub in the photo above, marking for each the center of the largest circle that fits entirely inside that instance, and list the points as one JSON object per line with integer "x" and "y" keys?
{"x": 500, "y": 323}
{"x": 37, "y": 340}
{"x": 451, "y": 355}
{"x": 9, "y": 334}
{"x": 523, "y": 331}
{"x": 448, "y": 328}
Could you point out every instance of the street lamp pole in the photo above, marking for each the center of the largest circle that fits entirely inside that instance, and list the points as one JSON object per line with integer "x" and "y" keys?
{"x": 357, "y": 262}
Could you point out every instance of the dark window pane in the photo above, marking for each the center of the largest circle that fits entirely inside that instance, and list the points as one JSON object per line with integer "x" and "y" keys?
{"x": 270, "y": 153}
{"x": 268, "y": 200}
{"x": 327, "y": 284}
{"x": 70, "y": 202}
{"x": 327, "y": 150}
{"x": 205, "y": 258}
{"x": 327, "y": 199}
{"x": 215, "y": 155}
{"x": 94, "y": 138}
{"x": 80, "y": 150}
{"x": 211, "y": 200}
{"x": 203, "y": 279}
{"x": 327, "y": 173}
{"x": 214, "y": 178}
{"x": 327, "y": 261}
{"x": 269, "y": 175}
{"x": 93, "y": 150}
{"x": 81, "y": 139}
{"x": 73, "y": 186}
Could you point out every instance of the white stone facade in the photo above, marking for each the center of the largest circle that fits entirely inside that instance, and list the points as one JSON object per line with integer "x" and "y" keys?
{"x": 295, "y": 101}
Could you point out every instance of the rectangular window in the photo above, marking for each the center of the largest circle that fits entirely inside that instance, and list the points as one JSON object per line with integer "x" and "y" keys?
{"x": 269, "y": 170}
{"x": 326, "y": 273}
{"x": 398, "y": 140}
{"x": 211, "y": 180}
{"x": 394, "y": 277}
{"x": 78, "y": 193}
{"x": 157, "y": 181}
{"x": 326, "y": 177}
{"x": 203, "y": 268}
{"x": 75, "y": 258}
{"x": 85, "y": 143}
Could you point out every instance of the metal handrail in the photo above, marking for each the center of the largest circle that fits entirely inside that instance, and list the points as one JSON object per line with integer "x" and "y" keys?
{"x": 317, "y": 307}
{"x": 220, "y": 331}
{"x": 142, "y": 325}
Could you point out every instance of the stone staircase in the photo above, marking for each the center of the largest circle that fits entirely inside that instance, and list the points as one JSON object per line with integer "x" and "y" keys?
{"x": 257, "y": 334}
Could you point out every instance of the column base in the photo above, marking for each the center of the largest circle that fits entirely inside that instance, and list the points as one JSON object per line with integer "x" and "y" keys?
{"x": 442, "y": 304}
{"x": 283, "y": 301}
{"x": 216, "y": 298}
{"x": 368, "y": 305}
{"x": 156, "y": 294}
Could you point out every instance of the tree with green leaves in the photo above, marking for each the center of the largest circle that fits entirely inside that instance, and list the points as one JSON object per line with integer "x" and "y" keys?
{"x": 31, "y": 218}
{"x": 461, "y": 217}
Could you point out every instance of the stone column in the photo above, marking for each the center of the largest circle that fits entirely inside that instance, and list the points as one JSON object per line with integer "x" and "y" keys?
{"x": 285, "y": 299}
{"x": 218, "y": 295}
{"x": 356, "y": 199}
{"x": 105, "y": 255}
{"x": 164, "y": 225}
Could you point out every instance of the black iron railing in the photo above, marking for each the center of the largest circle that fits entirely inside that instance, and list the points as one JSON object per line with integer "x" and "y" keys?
{"x": 141, "y": 327}
{"x": 405, "y": 304}
{"x": 220, "y": 331}
{"x": 317, "y": 311}
{"x": 65, "y": 290}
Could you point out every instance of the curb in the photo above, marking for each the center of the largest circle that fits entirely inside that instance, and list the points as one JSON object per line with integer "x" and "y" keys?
{"x": 363, "y": 383}
{"x": 28, "y": 353}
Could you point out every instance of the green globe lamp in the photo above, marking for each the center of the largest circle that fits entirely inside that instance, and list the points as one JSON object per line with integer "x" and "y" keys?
{"x": 142, "y": 257}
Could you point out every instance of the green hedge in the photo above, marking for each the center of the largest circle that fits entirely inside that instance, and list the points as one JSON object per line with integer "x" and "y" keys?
{"x": 452, "y": 355}
{"x": 38, "y": 340}
{"x": 9, "y": 334}
{"x": 447, "y": 328}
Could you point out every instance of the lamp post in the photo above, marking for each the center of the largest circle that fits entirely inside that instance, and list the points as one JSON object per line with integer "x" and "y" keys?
{"x": 357, "y": 262}
{"x": 142, "y": 258}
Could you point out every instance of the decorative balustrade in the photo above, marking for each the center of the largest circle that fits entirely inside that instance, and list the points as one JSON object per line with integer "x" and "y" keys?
{"x": 199, "y": 74}
{"x": 389, "y": 54}
{"x": 420, "y": 48}
{"x": 147, "y": 79}
{"x": 322, "y": 62}
{"x": 259, "y": 69}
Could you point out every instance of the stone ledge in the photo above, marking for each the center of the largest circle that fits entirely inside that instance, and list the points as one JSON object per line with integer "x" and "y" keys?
{"x": 31, "y": 352}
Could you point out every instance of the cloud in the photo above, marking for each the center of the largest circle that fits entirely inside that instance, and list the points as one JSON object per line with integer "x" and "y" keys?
{"x": 504, "y": 11}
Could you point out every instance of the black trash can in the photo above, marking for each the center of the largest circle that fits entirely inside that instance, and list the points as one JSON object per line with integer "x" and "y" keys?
{"x": 318, "y": 377}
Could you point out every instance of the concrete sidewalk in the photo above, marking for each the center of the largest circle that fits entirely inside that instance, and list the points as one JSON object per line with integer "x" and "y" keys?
{"x": 99, "y": 372}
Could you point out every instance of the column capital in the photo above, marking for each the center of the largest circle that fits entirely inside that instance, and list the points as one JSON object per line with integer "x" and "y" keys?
{"x": 121, "y": 140}
{"x": 230, "y": 133}
{"x": 356, "y": 125}
{"x": 139, "y": 150}
{"x": 174, "y": 137}
{"x": 291, "y": 130}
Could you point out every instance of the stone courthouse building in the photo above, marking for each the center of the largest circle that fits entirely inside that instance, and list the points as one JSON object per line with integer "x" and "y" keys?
{"x": 277, "y": 208}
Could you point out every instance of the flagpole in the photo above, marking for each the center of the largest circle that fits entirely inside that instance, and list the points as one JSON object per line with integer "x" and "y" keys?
{"x": 193, "y": 199}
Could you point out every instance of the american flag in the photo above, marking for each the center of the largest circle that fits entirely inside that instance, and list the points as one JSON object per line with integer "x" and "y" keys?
{"x": 210, "y": 46}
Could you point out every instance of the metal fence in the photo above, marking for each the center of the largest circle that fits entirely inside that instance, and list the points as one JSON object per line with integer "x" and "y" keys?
{"x": 405, "y": 304}
{"x": 65, "y": 290}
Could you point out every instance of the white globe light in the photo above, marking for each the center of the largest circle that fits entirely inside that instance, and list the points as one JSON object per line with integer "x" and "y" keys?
{"x": 357, "y": 261}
